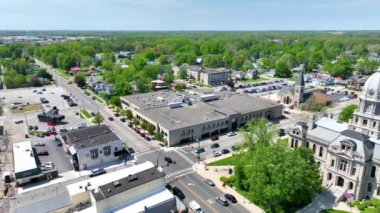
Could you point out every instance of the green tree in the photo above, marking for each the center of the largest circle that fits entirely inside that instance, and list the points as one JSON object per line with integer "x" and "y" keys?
{"x": 164, "y": 59}
{"x": 98, "y": 119}
{"x": 159, "y": 136}
{"x": 278, "y": 178}
{"x": 136, "y": 121}
{"x": 282, "y": 70}
{"x": 128, "y": 114}
{"x": 182, "y": 74}
{"x": 347, "y": 113}
{"x": 150, "y": 128}
{"x": 258, "y": 131}
{"x": 115, "y": 101}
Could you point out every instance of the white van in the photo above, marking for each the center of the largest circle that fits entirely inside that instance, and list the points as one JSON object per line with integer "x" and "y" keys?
{"x": 195, "y": 207}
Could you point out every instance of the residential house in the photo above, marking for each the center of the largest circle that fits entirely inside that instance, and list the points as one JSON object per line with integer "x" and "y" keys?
{"x": 74, "y": 70}
{"x": 101, "y": 87}
{"x": 158, "y": 85}
{"x": 93, "y": 146}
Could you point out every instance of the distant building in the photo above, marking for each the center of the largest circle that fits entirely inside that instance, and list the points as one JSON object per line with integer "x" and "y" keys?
{"x": 93, "y": 146}
{"x": 74, "y": 70}
{"x": 140, "y": 188}
{"x": 158, "y": 85}
{"x": 101, "y": 87}
{"x": 208, "y": 76}
{"x": 189, "y": 116}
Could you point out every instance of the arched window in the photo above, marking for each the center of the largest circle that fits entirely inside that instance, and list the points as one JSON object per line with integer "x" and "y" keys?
{"x": 329, "y": 176}
{"x": 373, "y": 171}
{"x": 369, "y": 188}
{"x": 350, "y": 185}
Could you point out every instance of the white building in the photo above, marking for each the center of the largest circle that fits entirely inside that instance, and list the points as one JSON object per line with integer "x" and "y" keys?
{"x": 348, "y": 154}
{"x": 93, "y": 146}
{"x": 25, "y": 166}
{"x": 140, "y": 188}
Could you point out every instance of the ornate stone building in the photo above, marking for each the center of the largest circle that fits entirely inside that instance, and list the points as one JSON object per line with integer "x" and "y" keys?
{"x": 348, "y": 153}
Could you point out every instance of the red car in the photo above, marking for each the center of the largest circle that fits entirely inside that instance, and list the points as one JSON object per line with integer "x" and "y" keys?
{"x": 43, "y": 153}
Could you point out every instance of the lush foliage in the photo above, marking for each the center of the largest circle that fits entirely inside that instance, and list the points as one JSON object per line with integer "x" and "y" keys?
{"x": 98, "y": 118}
{"x": 347, "y": 113}
{"x": 80, "y": 79}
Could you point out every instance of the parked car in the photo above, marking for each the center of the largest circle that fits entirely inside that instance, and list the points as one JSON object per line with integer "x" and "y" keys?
{"x": 35, "y": 128}
{"x": 225, "y": 151}
{"x": 43, "y": 153}
{"x": 230, "y": 197}
{"x": 48, "y": 165}
{"x": 97, "y": 172}
{"x": 30, "y": 127}
{"x": 214, "y": 146}
{"x": 216, "y": 154}
{"x": 63, "y": 129}
{"x": 110, "y": 118}
{"x": 209, "y": 182}
{"x": 122, "y": 119}
{"x": 65, "y": 96}
{"x": 195, "y": 207}
{"x": 39, "y": 92}
{"x": 168, "y": 159}
{"x": 43, "y": 89}
{"x": 92, "y": 113}
{"x": 146, "y": 137}
{"x": 178, "y": 192}
{"x": 222, "y": 201}
{"x": 39, "y": 144}
{"x": 230, "y": 134}
{"x": 214, "y": 138}
{"x": 233, "y": 148}
{"x": 281, "y": 132}
{"x": 199, "y": 150}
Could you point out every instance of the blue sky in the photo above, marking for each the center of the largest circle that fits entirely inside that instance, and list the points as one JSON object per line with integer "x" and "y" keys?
{"x": 190, "y": 15}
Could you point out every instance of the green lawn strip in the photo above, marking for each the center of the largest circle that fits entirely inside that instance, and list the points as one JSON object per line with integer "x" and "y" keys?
{"x": 253, "y": 80}
{"x": 97, "y": 97}
{"x": 63, "y": 74}
{"x": 233, "y": 160}
{"x": 85, "y": 114}
{"x": 28, "y": 108}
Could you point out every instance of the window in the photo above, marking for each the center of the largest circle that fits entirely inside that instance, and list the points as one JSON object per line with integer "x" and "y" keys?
{"x": 320, "y": 151}
{"x": 307, "y": 144}
{"x": 378, "y": 191}
{"x": 116, "y": 149}
{"x": 343, "y": 165}
{"x": 94, "y": 153}
{"x": 332, "y": 163}
{"x": 353, "y": 170}
{"x": 373, "y": 171}
{"x": 365, "y": 122}
{"x": 343, "y": 147}
{"x": 369, "y": 187}
{"x": 314, "y": 148}
{"x": 356, "y": 120}
{"x": 374, "y": 124}
{"x": 107, "y": 150}
{"x": 329, "y": 176}
{"x": 296, "y": 144}
{"x": 292, "y": 143}
{"x": 350, "y": 185}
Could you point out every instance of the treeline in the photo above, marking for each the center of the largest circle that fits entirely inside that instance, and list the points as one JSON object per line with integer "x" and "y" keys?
{"x": 339, "y": 54}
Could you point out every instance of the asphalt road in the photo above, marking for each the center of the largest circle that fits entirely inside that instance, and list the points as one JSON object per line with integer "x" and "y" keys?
{"x": 195, "y": 189}
{"x": 129, "y": 136}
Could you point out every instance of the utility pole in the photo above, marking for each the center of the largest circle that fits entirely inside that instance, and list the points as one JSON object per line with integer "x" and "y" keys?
{"x": 199, "y": 147}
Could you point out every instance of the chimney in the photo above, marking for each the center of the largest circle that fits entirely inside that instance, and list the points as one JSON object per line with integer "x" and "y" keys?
{"x": 311, "y": 125}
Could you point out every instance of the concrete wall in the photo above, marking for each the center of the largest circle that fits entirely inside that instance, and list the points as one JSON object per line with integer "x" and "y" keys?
{"x": 116, "y": 200}
{"x": 84, "y": 155}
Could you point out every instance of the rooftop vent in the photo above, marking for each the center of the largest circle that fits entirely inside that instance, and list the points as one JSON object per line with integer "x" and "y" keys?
{"x": 131, "y": 178}
{"x": 116, "y": 183}
{"x": 109, "y": 190}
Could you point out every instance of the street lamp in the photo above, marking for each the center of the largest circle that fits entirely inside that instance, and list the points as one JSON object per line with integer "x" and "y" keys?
{"x": 198, "y": 152}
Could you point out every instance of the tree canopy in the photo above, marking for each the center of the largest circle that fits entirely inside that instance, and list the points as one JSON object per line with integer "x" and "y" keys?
{"x": 347, "y": 113}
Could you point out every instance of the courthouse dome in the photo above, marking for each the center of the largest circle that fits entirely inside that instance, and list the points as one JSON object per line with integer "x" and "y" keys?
{"x": 371, "y": 88}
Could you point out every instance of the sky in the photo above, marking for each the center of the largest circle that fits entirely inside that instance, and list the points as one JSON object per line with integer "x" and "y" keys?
{"x": 189, "y": 15}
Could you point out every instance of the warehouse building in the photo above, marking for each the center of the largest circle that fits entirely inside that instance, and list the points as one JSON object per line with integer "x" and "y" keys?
{"x": 191, "y": 116}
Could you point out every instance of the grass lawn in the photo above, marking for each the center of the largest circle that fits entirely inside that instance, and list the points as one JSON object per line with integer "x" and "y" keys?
{"x": 85, "y": 113}
{"x": 28, "y": 108}
{"x": 63, "y": 74}
{"x": 234, "y": 160}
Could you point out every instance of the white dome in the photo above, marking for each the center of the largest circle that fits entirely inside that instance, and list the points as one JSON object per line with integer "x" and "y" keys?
{"x": 371, "y": 88}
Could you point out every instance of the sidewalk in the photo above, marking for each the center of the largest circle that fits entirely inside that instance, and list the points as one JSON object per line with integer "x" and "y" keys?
{"x": 214, "y": 173}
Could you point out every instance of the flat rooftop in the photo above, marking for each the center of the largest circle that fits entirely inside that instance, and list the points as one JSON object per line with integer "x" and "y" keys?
{"x": 23, "y": 157}
{"x": 131, "y": 181}
{"x": 155, "y": 107}
{"x": 91, "y": 136}
{"x": 95, "y": 182}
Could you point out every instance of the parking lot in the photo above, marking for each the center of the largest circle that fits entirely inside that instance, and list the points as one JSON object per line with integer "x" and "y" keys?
{"x": 19, "y": 121}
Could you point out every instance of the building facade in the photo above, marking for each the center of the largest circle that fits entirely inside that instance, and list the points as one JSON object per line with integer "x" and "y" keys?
{"x": 188, "y": 116}
{"x": 93, "y": 146}
{"x": 348, "y": 153}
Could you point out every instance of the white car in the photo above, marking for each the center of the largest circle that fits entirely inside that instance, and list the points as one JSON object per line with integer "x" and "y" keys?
{"x": 47, "y": 165}
{"x": 230, "y": 134}
{"x": 216, "y": 154}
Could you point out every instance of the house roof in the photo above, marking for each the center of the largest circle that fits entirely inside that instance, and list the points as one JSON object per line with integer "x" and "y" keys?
{"x": 126, "y": 183}
{"x": 75, "y": 69}
{"x": 90, "y": 136}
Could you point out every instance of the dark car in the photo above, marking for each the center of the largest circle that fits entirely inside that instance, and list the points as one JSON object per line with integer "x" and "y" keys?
{"x": 214, "y": 138}
{"x": 30, "y": 127}
{"x": 225, "y": 151}
{"x": 230, "y": 197}
{"x": 199, "y": 150}
{"x": 43, "y": 153}
{"x": 35, "y": 127}
{"x": 92, "y": 113}
{"x": 168, "y": 159}
{"x": 97, "y": 172}
{"x": 281, "y": 132}
{"x": 122, "y": 119}
{"x": 59, "y": 144}
{"x": 222, "y": 201}
{"x": 65, "y": 96}
{"x": 110, "y": 118}
{"x": 178, "y": 192}
{"x": 130, "y": 150}
{"x": 147, "y": 138}
{"x": 43, "y": 89}
{"x": 214, "y": 146}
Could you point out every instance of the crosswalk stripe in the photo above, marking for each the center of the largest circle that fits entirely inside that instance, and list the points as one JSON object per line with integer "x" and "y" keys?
{"x": 179, "y": 172}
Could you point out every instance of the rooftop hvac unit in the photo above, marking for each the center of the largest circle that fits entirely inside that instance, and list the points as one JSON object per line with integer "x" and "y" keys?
{"x": 175, "y": 104}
